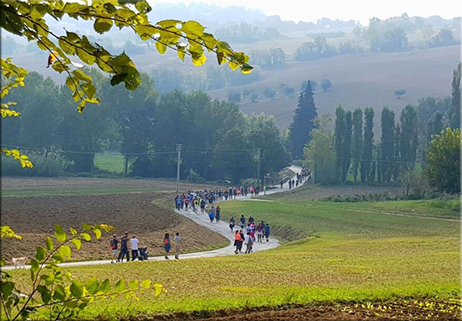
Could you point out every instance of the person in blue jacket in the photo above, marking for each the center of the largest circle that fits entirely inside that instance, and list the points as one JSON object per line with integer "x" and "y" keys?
{"x": 267, "y": 232}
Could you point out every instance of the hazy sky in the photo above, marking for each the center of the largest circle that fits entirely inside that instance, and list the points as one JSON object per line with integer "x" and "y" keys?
{"x": 361, "y": 10}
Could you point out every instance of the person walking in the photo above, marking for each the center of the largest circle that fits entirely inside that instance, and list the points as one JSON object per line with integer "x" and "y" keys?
{"x": 124, "y": 248}
{"x": 267, "y": 232}
{"x": 203, "y": 205}
{"x": 238, "y": 242}
{"x": 248, "y": 243}
{"x": 231, "y": 224}
{"x": 259, "y": 232}
{"x": 167, "y": 245}
{"x": 242, "y": 221}
{"x": 217, "y": 213}
{"x": 264, "y": 189}
{"x": 282, "y": 183}
{"x": 177, "y": 240}
{"x": 212, "y": 214}
{"x": 113, "y": 246}
{"x": 134, "y": 246}
{"x": 290, "y": 184}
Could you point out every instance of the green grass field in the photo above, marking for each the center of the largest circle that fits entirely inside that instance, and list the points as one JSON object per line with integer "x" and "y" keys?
{"x": 112, "y": 163}
{"x": 353, "y": 252}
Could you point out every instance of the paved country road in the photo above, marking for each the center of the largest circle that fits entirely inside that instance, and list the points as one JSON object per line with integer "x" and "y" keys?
{"x": 203, "y": 219}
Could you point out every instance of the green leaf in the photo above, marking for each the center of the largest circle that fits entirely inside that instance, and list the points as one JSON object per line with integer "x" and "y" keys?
{"x": 66, "y": 45}
{"x": 41, "y": 254}
{"x": 70, "y": 83}
{"x": 89, "y": 89}
{"x": 84, "y": 77}
{"x": 86, "y": 236}
{"x": 168, "y": 23}
{"x": 92, "y": 285}
{"x": 161, "y": 48}
{"x": 158, "y": 288}
{"x": 59, "y": 233}
{"x": 120, "y": 286}
{"x": 146, "y": 284}
{"x": 192, "y": 27}
{"x": 86, "y": 56}
{"x": 102, "y": 25}
{"x": 34, "y": 265}
{"x": 76, "y": 288}
{"x": 97, "y": 232}
{"x": 72, "y": 304}
{"x": 48, "y": 278}
{"x": 105, "y": 287}
{"x": 77, "y": 243}
{"x": 59, "y": 258}
{"x": 199, "y": 61}
{"x": 181, "y": 54}
{"x": 65, "y": 251}
{"x": 121, "y": 60}
{"x": 73, "y": 231}
{"x": 134, "y": 285}
{"x": 60, "y": 67}
{"x": 117, "y": 79}
{"x": 143, "y": 6}
{"x": 45, "y": 293}
{"x": 59, "y": 293}
{"x": 6, "y": 288}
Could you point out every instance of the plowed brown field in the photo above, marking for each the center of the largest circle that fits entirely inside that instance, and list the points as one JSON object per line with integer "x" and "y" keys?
{"x": 34, "y": 217}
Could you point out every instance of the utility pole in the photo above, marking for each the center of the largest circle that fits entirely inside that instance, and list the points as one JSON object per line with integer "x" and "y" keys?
{"x": 258, "y": 167}
{"x": 178, "y": 148}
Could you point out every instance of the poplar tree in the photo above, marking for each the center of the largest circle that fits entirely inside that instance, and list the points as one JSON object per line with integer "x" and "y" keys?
{"x": 387, "y": 144}
{"x": 357, "y": 141}
{"x": 454, "y": 112}
{"x": 368, "y": 144}
{"x": 408, "y": 141}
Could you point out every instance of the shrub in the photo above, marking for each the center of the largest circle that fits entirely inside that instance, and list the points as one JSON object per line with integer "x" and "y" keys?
{"x": 194, "y": 177}
{"x": 46, "y": 164}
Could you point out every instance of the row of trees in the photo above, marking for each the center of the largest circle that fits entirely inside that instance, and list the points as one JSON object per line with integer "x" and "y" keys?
{"x": 348, "y": 147}
{"x": 218, "y": 140}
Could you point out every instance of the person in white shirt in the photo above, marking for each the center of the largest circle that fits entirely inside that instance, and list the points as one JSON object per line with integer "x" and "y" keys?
{"x": 134, "y": 243}
{"x": 177, "y": 240}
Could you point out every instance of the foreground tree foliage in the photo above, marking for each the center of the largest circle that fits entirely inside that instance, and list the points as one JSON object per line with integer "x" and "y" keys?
{"x": 55, "y": 294}
{"x": 443, "y": 161}
{"x": 27, "y": 19}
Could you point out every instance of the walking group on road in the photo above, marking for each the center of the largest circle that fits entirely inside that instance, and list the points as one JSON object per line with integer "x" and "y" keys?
{"x": 247, "y": 235}
{"x": 138, "y": 252}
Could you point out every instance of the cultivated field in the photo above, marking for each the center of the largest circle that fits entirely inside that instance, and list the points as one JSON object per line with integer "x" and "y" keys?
{"x": 337, "y": 260}
{"x": 141, "y": 207}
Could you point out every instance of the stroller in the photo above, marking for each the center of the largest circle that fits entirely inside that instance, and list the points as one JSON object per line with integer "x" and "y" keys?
{"x": 143, "y": 254}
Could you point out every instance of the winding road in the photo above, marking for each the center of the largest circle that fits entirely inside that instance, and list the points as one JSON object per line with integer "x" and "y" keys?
{"x": 203, "y": 219}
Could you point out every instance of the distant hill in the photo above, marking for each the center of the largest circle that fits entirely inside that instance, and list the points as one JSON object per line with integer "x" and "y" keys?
{"x": 358, "y": 80}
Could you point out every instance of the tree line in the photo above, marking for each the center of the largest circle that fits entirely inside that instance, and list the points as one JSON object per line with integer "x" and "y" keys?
{"x": 219, "y": 142}
{"x": 345, "y": 149}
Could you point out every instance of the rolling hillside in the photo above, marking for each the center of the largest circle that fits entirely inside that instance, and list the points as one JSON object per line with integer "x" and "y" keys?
{"x": 360, "y": 80}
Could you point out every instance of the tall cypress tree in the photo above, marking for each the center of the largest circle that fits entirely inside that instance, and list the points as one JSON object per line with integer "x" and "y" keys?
{"x": 339, "y": 134}
{"x": 368, "y": 144}
{"x": 454, "y": 112}
{"x": 408, "y": 139}
{"x": 387, "y": 144}
{"x": 397, "y": 148}
{"x": 347, "y": 145}
{"x": 357, "y": 140}
{"x": 302, "y": 123}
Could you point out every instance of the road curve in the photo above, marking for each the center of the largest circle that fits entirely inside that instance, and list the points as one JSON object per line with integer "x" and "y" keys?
{"x": 203, "y": 219}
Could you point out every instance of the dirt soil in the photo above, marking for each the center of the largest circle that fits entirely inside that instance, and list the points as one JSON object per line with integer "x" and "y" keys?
{"x": 34, "y": 217}
{"x": 402, "y": 310}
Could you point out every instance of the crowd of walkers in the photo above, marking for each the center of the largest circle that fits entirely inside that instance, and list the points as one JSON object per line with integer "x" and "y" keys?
{"x": 139, "y": 252}
{"x": 197, "y": 200}
{"x": 246, "y": 234}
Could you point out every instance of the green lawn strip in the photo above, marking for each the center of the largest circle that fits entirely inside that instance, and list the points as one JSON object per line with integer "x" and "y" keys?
{"x": 313, "y": 218}
{"x": 113, "y": 163}
{"x": 325, "y": 269}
